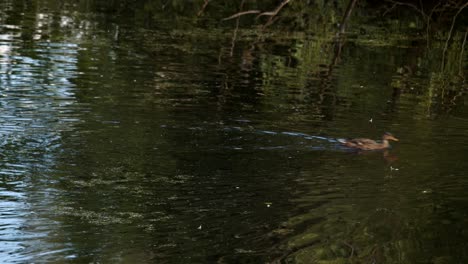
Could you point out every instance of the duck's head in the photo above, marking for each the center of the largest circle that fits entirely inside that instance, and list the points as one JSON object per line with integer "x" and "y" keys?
{"x": 389, "y": 136}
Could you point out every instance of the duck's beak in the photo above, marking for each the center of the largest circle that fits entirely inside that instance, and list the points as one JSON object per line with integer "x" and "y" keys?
{"x": 394, "y": 139}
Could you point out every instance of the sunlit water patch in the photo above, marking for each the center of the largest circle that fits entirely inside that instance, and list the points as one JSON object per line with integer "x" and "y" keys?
{"x": 37, "y": 106}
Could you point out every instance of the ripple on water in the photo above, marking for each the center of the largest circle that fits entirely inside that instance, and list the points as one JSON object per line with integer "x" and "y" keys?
{"x": 38, "y": 104}
{"x": 13, "y": 213}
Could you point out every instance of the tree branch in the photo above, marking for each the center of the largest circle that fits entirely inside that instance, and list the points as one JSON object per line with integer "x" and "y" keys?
{"x": 241, "y": 14}
{"x": 450, "y": 33}
{"x": 272, "y": 14}
{"x": 276, "y": 11}
{"x": 349, "y": 9}
{"x": 203, "y": 7}
{"x": 408, "y": 4}
{"x": 460, "y": 63}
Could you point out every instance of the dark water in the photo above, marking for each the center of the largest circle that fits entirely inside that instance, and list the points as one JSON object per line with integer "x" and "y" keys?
{"x": 128, "y": 142}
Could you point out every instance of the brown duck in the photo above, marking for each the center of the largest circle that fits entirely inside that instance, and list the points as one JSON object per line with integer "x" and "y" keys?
{"x": 368, "y": 144}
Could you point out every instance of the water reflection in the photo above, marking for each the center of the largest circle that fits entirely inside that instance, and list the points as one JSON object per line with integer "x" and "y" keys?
{"x": 123, "y": 142}
{"x": 38, "y": 106}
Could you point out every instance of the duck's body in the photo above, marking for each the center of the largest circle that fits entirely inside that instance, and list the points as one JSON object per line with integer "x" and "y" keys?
{"x": 369, "y": 144}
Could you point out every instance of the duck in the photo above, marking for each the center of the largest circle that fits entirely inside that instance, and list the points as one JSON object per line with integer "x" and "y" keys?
{"x": 369, "y": 144}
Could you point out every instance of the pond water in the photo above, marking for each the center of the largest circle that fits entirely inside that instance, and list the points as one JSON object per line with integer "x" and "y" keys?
{"x": 123, "y": 141}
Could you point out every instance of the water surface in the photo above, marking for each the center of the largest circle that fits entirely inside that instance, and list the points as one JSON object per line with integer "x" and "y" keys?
{"x": 128, "y": 141}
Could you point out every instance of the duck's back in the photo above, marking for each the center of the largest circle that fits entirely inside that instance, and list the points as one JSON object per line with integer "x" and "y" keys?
{"x": 363, "y": 141}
